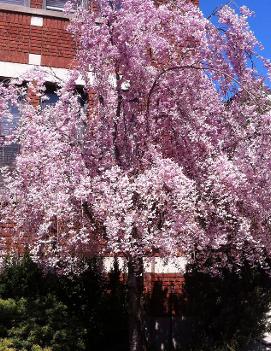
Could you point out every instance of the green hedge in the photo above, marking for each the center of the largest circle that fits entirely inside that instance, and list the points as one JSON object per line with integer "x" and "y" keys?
{"x": 227, "y": 312}
{"x": 43, "y": 311}
{"x": 40, "y": 311}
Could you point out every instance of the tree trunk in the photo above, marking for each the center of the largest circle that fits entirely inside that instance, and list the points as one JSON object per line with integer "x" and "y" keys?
{"x": 137, "y": 340}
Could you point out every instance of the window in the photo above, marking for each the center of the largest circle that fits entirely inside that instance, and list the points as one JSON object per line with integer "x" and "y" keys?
{"x": 55, "y": 5}
{"x": 51, "y": 96}
{"x": 58, "y": 5}
{"x": 15, "y": 2}
{"x": 9, "y": 152}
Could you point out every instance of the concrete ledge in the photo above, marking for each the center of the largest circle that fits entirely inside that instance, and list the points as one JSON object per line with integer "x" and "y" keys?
{"x": 33, "y": 11}
{"x": 15, "y": 70}
{"x": 52, "y": 74}
{"x": 157, "y": 265}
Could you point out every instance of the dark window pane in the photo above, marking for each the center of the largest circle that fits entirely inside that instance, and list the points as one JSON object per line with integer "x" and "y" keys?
{"x": 8, "y": 124}
{"x": 15, "y": 2}
{"x": 8, "y": 154}
{"x": 51, "y": 99}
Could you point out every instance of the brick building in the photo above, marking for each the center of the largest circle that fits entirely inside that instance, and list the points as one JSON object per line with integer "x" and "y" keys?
{"x": 33, "y": 33}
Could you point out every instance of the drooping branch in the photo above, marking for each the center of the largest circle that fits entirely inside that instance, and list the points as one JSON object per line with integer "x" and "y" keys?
{"x": 201, "y": 68}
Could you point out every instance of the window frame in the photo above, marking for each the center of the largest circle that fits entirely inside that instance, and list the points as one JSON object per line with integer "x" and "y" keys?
{"x": 26, "y": 3}
{"x": 16, "y": 146}
{"x": 9, "y": 152}
{"x": 58, "y": 9}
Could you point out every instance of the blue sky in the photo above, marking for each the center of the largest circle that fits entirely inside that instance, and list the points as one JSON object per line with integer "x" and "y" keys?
{"x": 260, "y": 23}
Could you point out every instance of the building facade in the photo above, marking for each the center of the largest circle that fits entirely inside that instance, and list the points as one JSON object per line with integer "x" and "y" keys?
{"x": 34, "y": 34}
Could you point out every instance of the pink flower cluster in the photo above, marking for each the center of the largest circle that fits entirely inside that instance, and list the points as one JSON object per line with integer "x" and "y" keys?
{"x": 174, "y": 156}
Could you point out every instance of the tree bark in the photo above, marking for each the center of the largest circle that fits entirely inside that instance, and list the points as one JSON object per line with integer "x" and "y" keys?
{"x": 137, "y": 339}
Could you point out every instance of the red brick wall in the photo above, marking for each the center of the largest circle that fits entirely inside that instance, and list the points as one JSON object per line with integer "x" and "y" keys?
{"x": 14, "y": 37}
{"x": 8, "y": 240}
{"x": 57, "y": 47}
{"x": 18, "y": 38}
{"x": 36, "y": 4}
{"x": 171, "y": 282}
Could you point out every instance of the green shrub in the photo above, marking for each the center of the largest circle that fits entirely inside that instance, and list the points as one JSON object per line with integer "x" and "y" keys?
{"x": 227, "y": 312}
{"x": 46, "y": 312}
{"x": 43, "y": 322}
{"x": 62, "y": 313}
{"x": 34, "y": 311}
{"x": 21, "y": 277}
{"x": 8, "y": 345}
{"x": 46, "y": 321}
